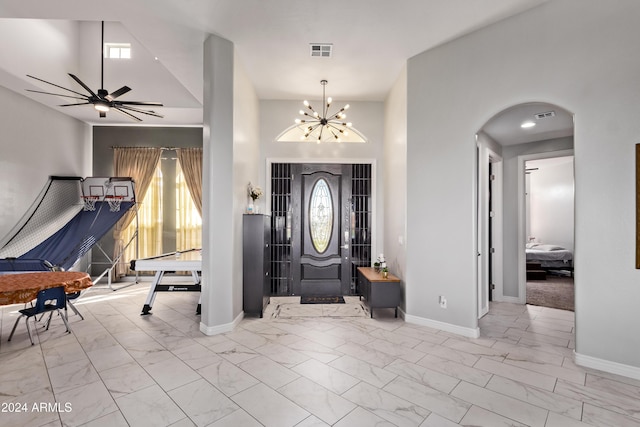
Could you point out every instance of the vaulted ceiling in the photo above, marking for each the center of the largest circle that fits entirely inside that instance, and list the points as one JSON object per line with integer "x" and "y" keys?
{"x": 371, "y": 40}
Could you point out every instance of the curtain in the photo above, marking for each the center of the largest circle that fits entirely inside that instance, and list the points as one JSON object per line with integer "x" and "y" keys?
{"x": 139, "y": 164}
{"x": 191, "y": 163}
{"x": 150, "y": 222}
{"x": 188, "y": 219}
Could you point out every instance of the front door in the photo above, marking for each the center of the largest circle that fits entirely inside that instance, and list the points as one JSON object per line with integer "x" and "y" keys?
{"x": 321, "y": 255}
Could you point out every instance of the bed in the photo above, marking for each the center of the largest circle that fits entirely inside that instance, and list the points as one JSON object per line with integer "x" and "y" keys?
{"x": 550, "y": 257}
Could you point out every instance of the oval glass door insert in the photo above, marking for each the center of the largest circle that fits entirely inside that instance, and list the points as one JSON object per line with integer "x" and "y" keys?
{"x": 320, "y": 215}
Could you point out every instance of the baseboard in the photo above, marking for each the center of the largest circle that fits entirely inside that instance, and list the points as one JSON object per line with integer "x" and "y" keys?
{"x": 607, "y": 366}
{"x": 221, "y": 329}
{"x": 447, "y": 327}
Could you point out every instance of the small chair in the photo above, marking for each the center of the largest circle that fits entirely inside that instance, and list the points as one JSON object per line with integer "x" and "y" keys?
{"x": 48, "y": 300}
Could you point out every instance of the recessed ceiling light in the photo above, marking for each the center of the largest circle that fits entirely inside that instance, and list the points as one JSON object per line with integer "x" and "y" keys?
{"x": 528, "y": 124}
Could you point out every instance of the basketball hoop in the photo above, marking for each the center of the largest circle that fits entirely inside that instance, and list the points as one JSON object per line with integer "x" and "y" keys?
{"x": 89, "y": 203}
{"x": 114, "y": 202}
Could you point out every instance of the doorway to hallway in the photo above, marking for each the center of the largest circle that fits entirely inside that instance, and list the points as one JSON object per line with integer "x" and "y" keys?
{"x": 517, "y": 134}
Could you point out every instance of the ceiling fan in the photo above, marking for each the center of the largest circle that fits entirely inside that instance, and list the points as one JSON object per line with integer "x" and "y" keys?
{"x": 103, "y": 101}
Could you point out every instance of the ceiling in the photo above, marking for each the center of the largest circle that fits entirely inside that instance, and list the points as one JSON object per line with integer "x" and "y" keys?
{"x": 372, "y": 40}
{"x": 552, "y": 122}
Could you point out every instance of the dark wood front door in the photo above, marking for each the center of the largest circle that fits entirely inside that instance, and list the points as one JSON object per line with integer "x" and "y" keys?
{"x": 321, "y": 256}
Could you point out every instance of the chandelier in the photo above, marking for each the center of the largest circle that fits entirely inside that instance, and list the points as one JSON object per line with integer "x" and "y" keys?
{"x": 316, "y": 124}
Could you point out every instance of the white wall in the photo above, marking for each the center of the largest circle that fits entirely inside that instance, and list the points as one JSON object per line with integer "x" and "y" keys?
{"x": 551, "y": 203}
{"x": 246, "y": 164}
{"x": 36, "y": 142}
{"x": 454, "y": 89}
{"x": 47, "y": 49}
{"x": 395, "y": 179}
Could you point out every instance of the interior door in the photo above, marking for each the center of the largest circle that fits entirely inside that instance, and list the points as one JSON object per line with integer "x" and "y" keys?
{"x": 321, "y": 255}
{"x": 490, "y": 250}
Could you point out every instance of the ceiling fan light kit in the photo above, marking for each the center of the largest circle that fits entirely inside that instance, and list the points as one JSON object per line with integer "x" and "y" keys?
{"x": 103, "y": 101}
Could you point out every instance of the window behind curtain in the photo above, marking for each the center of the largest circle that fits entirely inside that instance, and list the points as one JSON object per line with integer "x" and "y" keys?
{"x": 188, "y": 221}
{"x": 150, "y": 221}
{"x": 188, "y": 232}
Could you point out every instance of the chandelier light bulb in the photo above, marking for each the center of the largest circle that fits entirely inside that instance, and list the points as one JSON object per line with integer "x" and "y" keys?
{"x": 346, "y": 107}
{"x": 328, "y": 101}
{"x": 315, "y": 114}
{"x": 349, "y": 124}
{"x": 298, "y": 121}
{"x": 306, "y": 103}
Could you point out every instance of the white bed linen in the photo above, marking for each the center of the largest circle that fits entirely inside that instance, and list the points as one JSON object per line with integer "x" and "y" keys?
{"x": 557, "y": 255}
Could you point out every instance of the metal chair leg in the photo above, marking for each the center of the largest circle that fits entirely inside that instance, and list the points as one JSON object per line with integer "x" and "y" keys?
{"x": 49, "y": 320}
{"x": 64, "y": 319}
{"x": 29, "y": 329}
{"x": 75, "y": 310}
{"x": 14, "y": 326}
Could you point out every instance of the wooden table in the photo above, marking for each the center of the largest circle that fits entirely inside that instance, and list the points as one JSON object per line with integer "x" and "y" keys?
{"x": 20, "y": 288}
{"x": 377, "y": 291}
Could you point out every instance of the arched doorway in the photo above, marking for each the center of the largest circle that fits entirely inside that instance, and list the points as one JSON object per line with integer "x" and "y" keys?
{"x": 506, "y": 142}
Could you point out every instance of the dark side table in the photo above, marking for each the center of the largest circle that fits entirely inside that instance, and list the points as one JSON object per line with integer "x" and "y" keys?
{"x": 377, "y": 291}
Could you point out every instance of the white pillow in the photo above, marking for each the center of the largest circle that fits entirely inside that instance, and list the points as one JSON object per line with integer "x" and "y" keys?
{"x": 532, "y": 245}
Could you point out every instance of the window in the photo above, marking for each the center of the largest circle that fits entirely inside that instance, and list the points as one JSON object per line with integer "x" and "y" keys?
{"x": 117, "y": 50}
{"x": 165, "y": 225}
{"x": 321, "y": 215}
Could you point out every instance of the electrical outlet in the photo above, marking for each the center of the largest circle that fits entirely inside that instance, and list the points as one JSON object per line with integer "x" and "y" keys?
{"x": 443, "y": 302}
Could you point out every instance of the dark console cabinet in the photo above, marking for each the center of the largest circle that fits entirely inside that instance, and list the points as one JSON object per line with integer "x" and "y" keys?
{"x": 256, "y": 276}
{"x": 377, "y": 291}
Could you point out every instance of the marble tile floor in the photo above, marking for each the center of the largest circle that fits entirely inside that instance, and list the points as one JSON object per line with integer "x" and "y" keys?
{"x": 314, "y": 366}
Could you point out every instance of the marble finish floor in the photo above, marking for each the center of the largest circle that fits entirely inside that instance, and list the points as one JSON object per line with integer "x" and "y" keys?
{"x": 329, "y": 368}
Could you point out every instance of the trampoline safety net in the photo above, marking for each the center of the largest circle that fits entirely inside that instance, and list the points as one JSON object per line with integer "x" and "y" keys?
{"x": 57, "y": 228}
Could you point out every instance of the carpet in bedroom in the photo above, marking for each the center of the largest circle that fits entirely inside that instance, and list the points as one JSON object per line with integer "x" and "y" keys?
{"x": 555, "y": 292}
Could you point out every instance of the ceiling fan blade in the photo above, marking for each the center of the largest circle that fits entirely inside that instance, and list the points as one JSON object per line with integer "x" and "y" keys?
{"x": 70, "y": 105}
{"x": 58, "y": 94}
{"x": 127, "y": 114}
{"x": 137, "y": 110}
{"x": 83, "y": 85}
{"x": 53, "y": 84}
{"x": 117, "y": 93}
{"x": 148, "y": 104}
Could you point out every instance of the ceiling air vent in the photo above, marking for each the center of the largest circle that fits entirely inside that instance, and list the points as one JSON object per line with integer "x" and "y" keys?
{"x": 321, "y": 50}
{"x": 545, "y": 115}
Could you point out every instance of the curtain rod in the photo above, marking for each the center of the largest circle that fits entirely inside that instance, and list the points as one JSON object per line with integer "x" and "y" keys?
{"x": 162, "y": 148}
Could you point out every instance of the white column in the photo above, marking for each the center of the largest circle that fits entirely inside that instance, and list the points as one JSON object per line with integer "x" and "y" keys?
{"x": 217, "y": 187}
